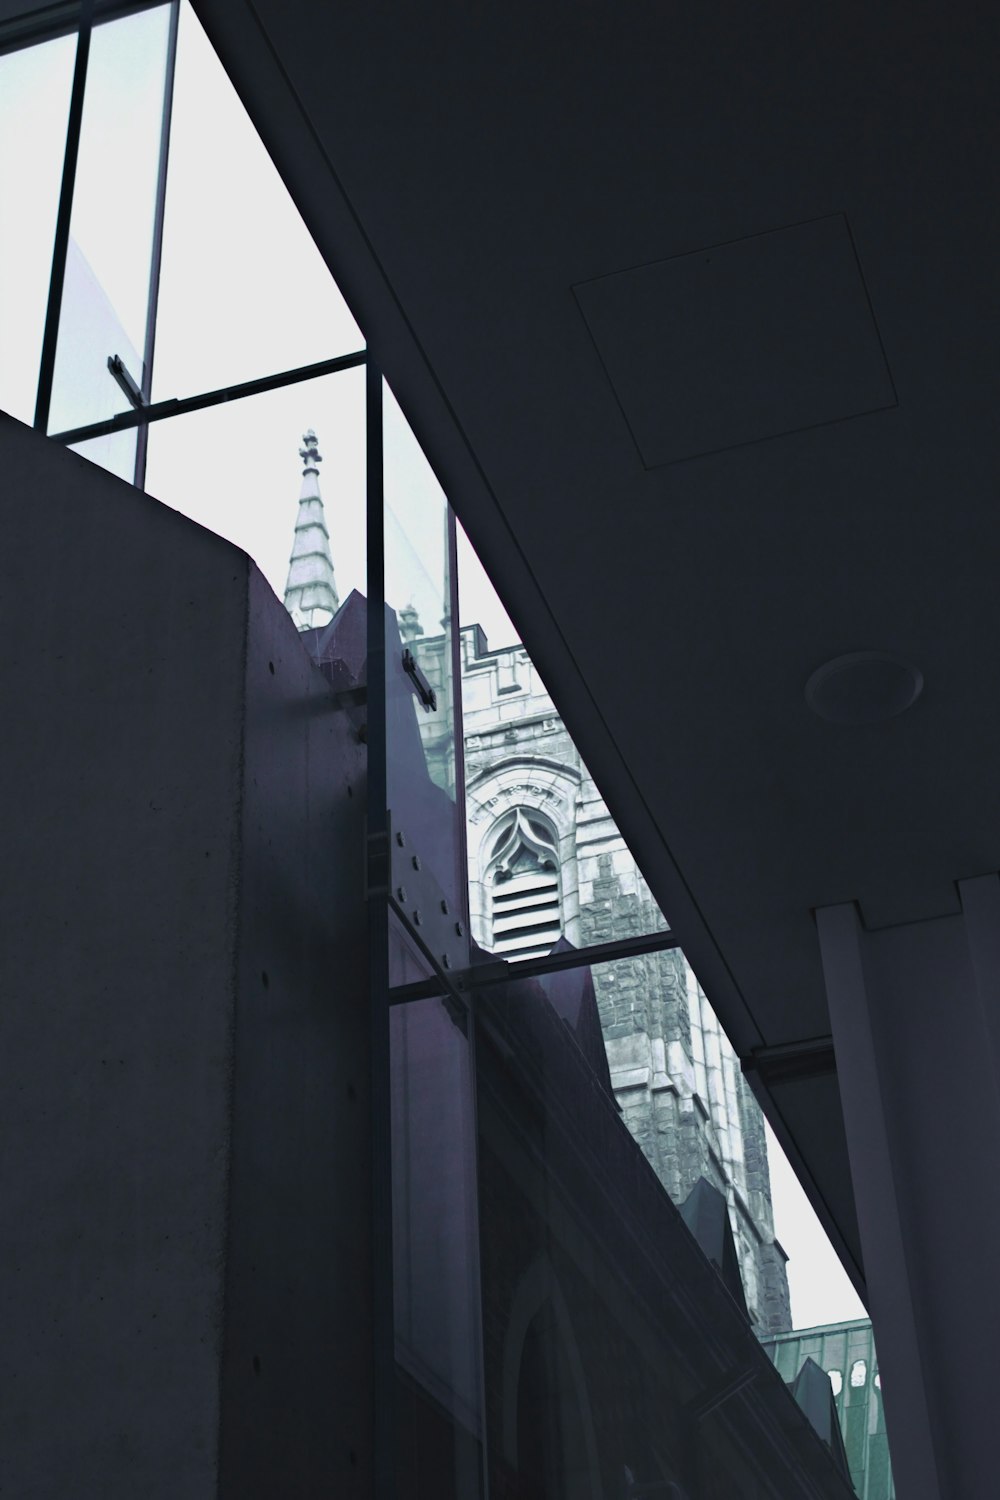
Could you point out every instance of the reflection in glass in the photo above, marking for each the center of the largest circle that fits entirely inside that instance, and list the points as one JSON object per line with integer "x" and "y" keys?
{"x": 242, "y": 469}
{"x": 243, "y": 289}
{"x": 569, "y": 872}
{"x": 417, "y": 581}
{"x": 613, "y": 1329}
{"x": 109, "y": 257}
{"x": 35, "y": 87}
{"x": 421, "y": 705}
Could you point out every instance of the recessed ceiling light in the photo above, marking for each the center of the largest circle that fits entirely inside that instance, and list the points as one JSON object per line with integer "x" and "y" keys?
{"x": 863, "y": 687}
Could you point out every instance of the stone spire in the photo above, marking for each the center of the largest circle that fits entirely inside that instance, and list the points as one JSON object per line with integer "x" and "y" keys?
{"x": 311, "y": 592}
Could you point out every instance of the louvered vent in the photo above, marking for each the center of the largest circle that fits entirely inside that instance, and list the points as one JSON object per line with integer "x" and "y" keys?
{"x": 523, "y": 877}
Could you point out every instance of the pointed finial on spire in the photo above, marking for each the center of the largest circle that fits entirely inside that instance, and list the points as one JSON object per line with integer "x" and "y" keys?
{"x": 311, "y": 592}
{"x": 309, "y": 453}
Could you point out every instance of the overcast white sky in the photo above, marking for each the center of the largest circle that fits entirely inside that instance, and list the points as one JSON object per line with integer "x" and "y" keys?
{"x": 244, "y": 292}
{"x": 34, "y": 99}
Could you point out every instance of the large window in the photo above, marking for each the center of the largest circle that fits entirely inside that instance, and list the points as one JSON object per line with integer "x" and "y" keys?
{"x": 557, "y": 1322}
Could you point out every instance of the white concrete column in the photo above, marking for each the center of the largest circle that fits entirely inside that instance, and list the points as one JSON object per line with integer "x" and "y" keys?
{"x": 913, "y": 1017}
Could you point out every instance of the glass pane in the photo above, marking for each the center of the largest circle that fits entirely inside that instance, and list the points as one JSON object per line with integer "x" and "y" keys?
{"x": 435, "y": 1253}
{"x": 420, "y": 701}
{"x": 614, "y": 1318}
{"x": 35, "y": 87}
{"x": 243, "y": 289}
{"x": 546, "y": 858}
{"x": 108, "y": 264}
{"x": 245, "y": 470}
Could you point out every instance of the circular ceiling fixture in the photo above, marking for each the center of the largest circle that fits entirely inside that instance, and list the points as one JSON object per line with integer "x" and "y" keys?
{"x": 863, "y": 687}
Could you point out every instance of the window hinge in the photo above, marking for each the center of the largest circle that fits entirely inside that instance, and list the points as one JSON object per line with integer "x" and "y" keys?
{"x": 421, "y": 686}
{"x": 117, "y": 367}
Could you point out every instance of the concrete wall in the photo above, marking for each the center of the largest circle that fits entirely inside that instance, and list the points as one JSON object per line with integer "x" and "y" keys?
{"x": 296, "y": 1387}
{"x": 167, "y": 1119}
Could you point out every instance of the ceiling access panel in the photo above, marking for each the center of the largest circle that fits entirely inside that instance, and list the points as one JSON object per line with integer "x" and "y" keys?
{"x": 739, "y": 342}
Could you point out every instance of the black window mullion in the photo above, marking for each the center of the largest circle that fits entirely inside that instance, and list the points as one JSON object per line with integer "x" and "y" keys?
{"x": 61, "y": 243}
{"x": 458, "y": 720}
{"x": 156, "y": 255}
{"x": 383, "y": 1319}
{"x": 160, "y": 410}
{"x": 498, "y": 970}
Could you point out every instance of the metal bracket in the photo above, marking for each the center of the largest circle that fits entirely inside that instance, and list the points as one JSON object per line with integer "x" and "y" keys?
{"x": 132, "y": 392}
{"x": 421, "y": 686}
{"x": 420, "y": 903}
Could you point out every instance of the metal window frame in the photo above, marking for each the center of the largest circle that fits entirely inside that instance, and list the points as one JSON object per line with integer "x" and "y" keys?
{"x": 34, "y": 31}
{"x": 159, "y": 411}
{"x": 60, "y": 248}
{"x": 156, "y": 250}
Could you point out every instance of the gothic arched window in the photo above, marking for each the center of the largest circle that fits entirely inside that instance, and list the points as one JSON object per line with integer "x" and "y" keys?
{"x": 522, "y": 878}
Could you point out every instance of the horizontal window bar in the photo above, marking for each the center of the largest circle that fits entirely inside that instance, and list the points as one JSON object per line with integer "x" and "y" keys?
{"x": 489, "y": 973}
{"x": 176, "y": 407}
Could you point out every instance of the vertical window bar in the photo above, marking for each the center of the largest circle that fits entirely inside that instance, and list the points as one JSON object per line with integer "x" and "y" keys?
{"x": 459, "y": 726}
{"x": 142, "y": 437}
{"x": 458, "y": 720}
{"x": 61, "y": 243}
{"x": 383, "y": 1316}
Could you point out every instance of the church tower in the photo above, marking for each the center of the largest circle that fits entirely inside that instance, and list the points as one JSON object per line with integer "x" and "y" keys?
{"x": 547, "y": 864}
{"x": 311, "y": 592}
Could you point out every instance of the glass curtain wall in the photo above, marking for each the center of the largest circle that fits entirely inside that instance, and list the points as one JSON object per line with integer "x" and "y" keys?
{"x": 112, "y": 251}
{"x": 566, "y": 1300}
{"x": 84, "y": 122}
